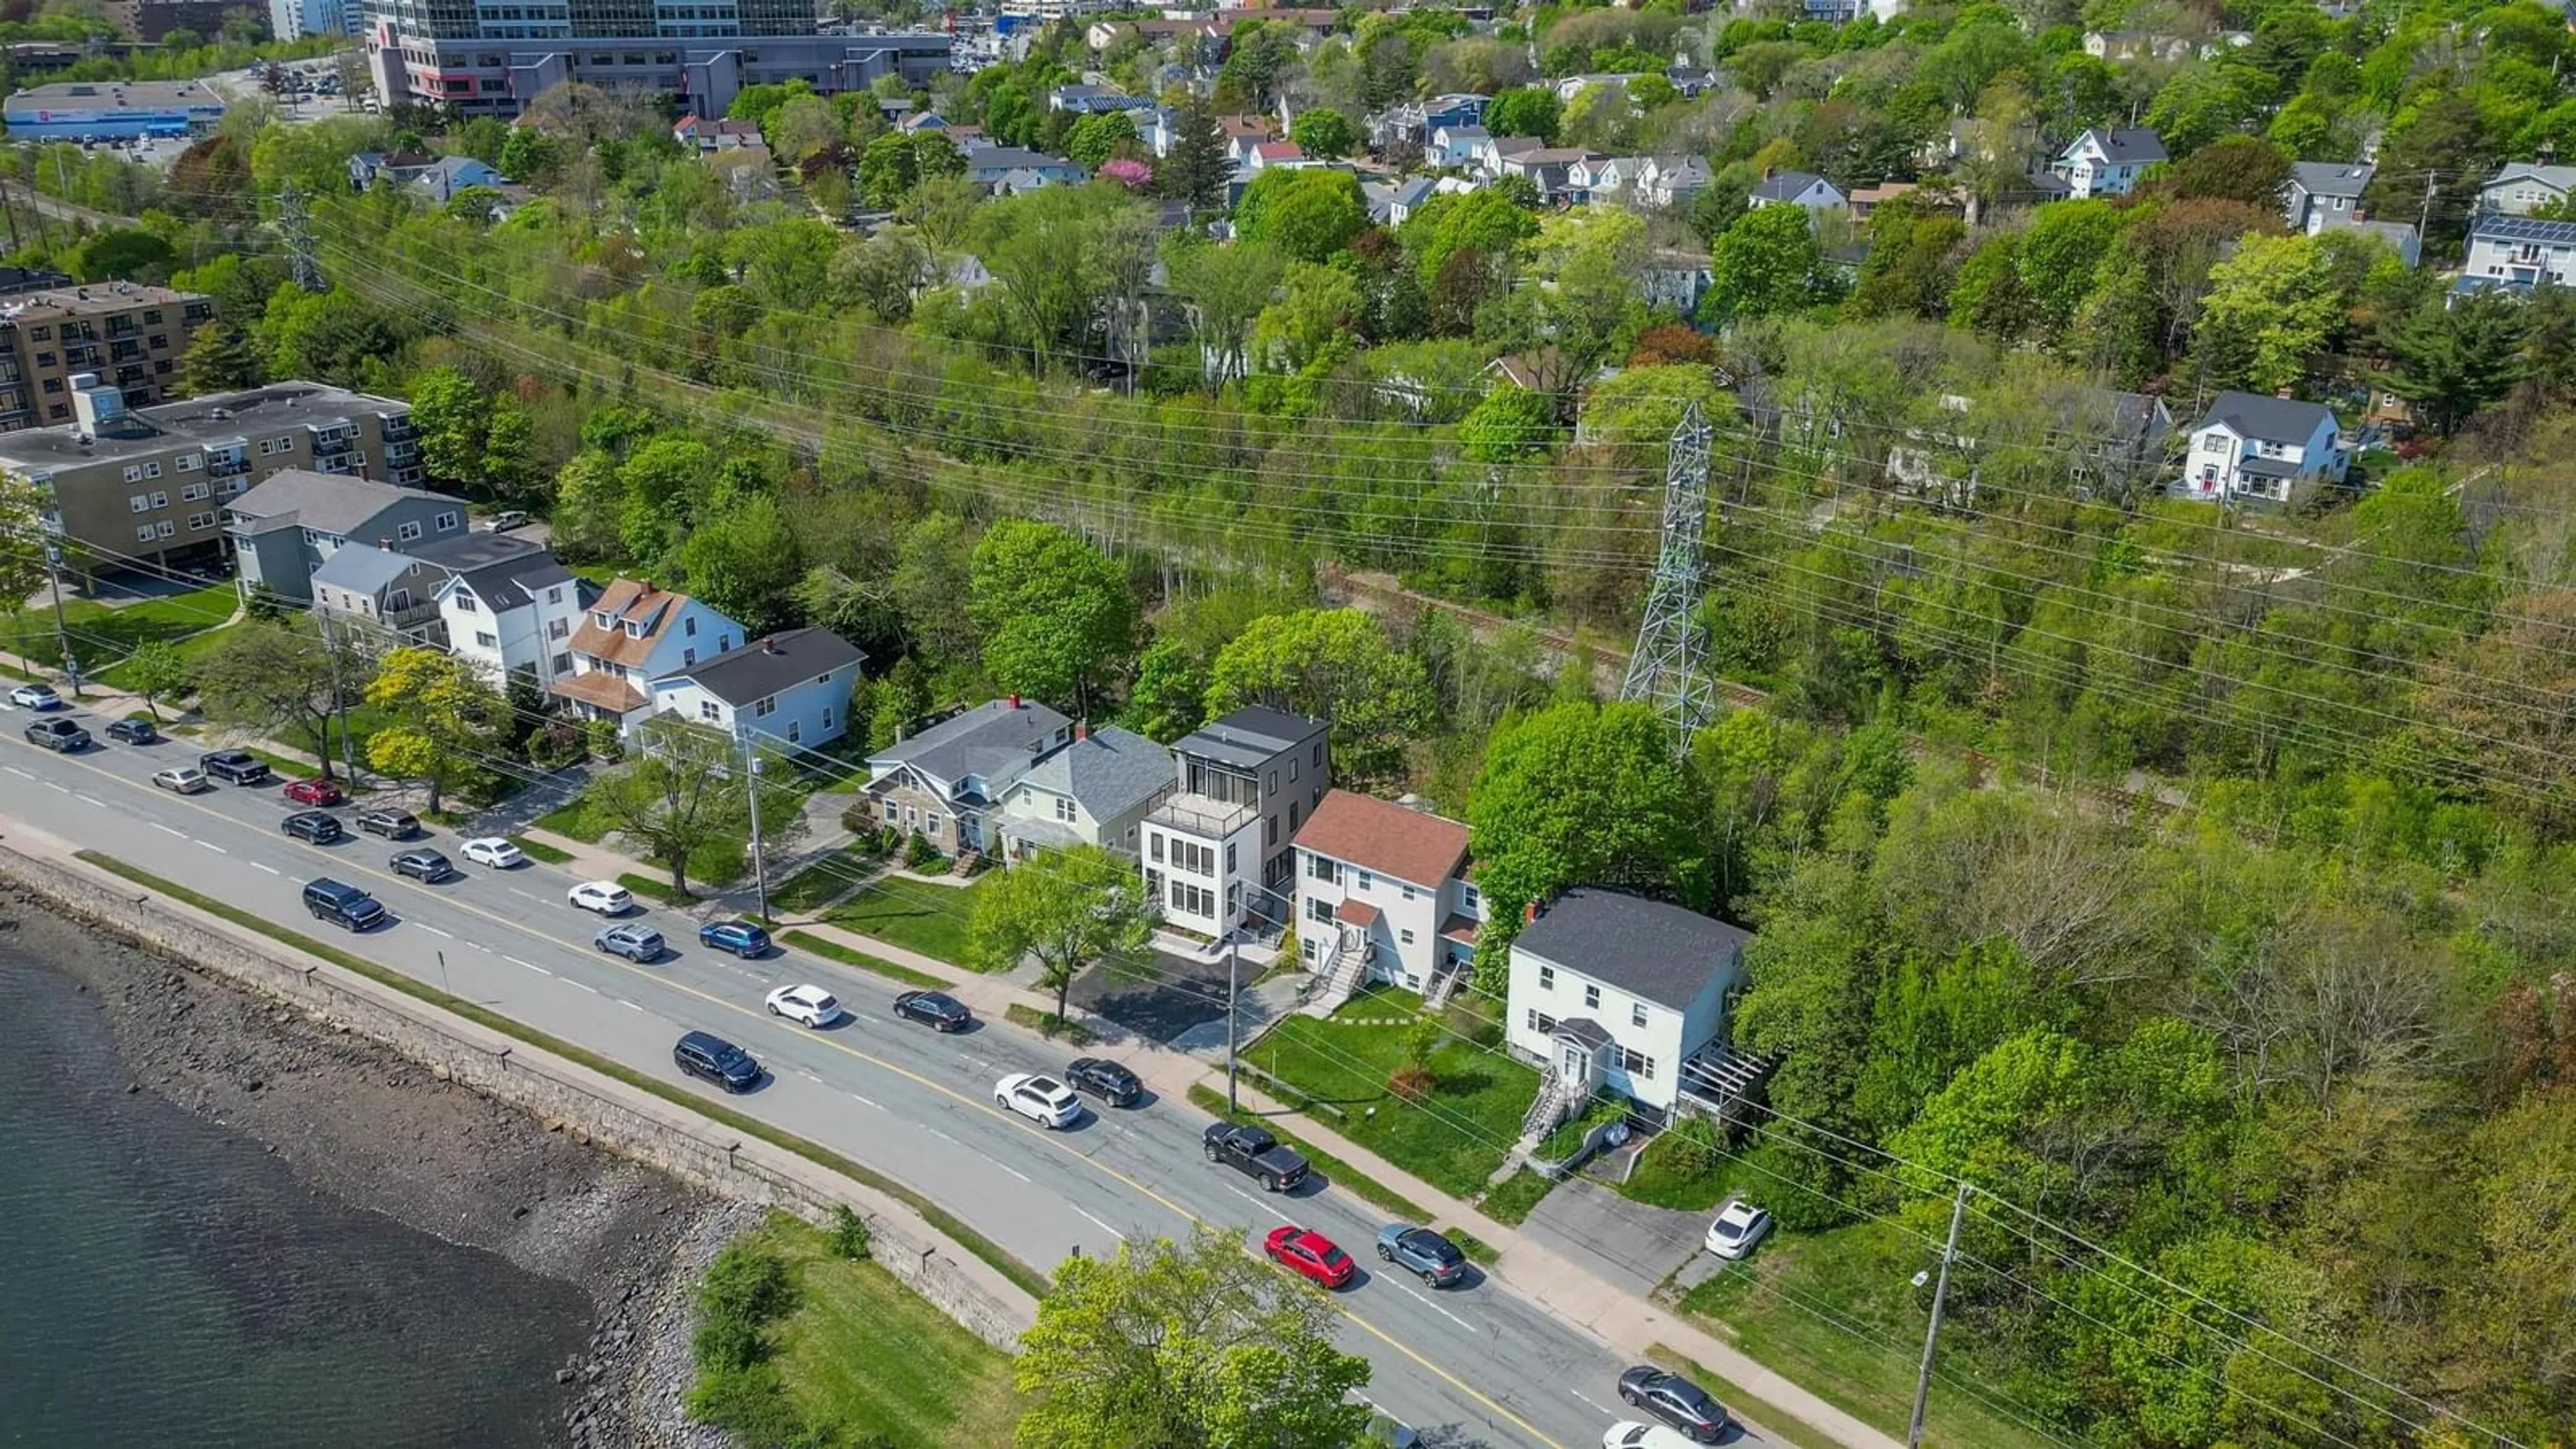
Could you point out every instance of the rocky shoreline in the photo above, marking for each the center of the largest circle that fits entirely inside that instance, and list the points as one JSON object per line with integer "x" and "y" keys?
{"x": 360, "y": 1123}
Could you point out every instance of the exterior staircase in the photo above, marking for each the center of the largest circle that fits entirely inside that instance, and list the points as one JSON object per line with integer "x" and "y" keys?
{"x": 968, "y": 862}
{"x": 1445, "y": 984}
{"x": 1340, "y": 979}
{"x": 1558, "y": 1096}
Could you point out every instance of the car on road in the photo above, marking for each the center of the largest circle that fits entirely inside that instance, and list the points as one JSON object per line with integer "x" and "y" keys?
{"x": 634, "y": 942}
{"x": 604, "y": 896}
{"x": 315, "y": 791}
{"x": 811, "y": 1005}
{"x": 181, "y": 779}
{"x": 1675, "y": 1400}
{"x": 1107, "y": 1080}
{"x": 1254, "y": 1153}
{"x": 707, "y": 1056}
{"x": 421, "y": 864}
{"x": 1736, "y": 1228}
{"x": 388, "y": 822}
{"x": 1310, "y": 1253}
{"x": 133, "y": 730}
{"x": 314, "y": 826}
{"x": 59, "y": 735}
{"x": 1423, "y": 1253}
{"x": 1629, "y": 1434}
{"x": 234, "y": 767}
{"x": 495, "y": 852}
{"x": 1043, "y": 1100}
{"x": 35, "y": 696}
{"x": 742, "y": 938}
{"x": 505, "y": 520}
{"x": 342, "y": 904}
{"x": 936, "y": 1009}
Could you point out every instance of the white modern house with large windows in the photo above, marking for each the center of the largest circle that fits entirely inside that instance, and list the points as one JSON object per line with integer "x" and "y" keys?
{"x": 506, "y": 604}
{"x": 1218, "y": 850}
{"x": 1615, "y": 993}
{"x": 787, "y": 692}
{"x": 1383, "y": 895}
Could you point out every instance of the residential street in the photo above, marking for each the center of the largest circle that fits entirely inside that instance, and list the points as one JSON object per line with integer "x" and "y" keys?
{"x": 1481, "y": 1361}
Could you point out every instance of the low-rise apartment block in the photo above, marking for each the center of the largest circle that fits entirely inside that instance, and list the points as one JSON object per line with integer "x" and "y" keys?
{"x": 129, "y": 337}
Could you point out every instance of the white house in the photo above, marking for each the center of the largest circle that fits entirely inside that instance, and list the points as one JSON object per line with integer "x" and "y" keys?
{"x": 506, "y": 604}
{"x": 1669, "y": 181}
{"x": 1382, "y": 895}
{"x": 1613, "y": 992}
{"x": 947, "y": 783}
{"x": 631, "y": 635}
{"x": 2517, "y": 253}
{"x": 2107, "y": 161}
{"x": 789, "y": 691}
{"x": 1093, "y": 789}
{"x": 2255, "y": 447}
{"x": 1795, "y": 188}
{"x": 2521, "y": 188}
{"x": 1461, "y": 145}
{"x": 1218, "y": 849}
{"x": 2319, "y": 191}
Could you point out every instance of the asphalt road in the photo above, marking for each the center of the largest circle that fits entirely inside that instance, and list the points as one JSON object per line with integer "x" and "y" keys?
{"x": 1479, "y": 1362}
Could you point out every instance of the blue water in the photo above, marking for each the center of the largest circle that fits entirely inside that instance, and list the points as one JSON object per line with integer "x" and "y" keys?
{"x": 166, "y": 1282}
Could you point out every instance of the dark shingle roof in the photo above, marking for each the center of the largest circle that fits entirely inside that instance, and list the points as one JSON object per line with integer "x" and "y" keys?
{"x": 986, "y": 740}
{"x": 1249, "y": 737}
{"x": 764, "y": 667}
{"x": 2330, "y": 178}
{"x": 1658, "y": 952}
{"x": 2127, "y": 145}
{"x": 501, "y": 569}
{"x": 333, "y": 503}
{"x": 2258, "y": 415}
{"x": 1111, "y": 772}
{"x": 1784, "y": 185}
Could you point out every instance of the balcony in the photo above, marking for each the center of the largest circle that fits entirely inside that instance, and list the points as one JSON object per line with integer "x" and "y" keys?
{"x": 400, "y": 429}
{"x": 401, "y": 455}
{"x": 332, "y": 446}
{"x": 227, "y": 467}
{"x": 1201, "y": 816}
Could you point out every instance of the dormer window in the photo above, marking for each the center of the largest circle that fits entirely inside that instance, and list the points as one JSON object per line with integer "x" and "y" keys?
{"x": 634, "y": 630}
{"x": 604, "y": 619}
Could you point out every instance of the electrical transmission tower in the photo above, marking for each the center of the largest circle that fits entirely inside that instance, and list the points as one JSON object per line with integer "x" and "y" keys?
{"x": 304, "y": 264}
{"x": 1666, "y": 670}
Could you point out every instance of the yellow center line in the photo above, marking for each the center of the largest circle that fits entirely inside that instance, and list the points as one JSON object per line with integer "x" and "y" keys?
{"x": 763, "y": 1017}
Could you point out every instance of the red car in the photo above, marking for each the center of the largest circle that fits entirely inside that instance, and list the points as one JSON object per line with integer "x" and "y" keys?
{"x": 315, "y": 792}
{"x": 1310, "y": 1253}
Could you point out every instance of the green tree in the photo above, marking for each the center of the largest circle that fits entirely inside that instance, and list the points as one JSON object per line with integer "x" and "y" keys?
{"x": 454, "y": 419}
{"x": 1528, "y": 111}
{"x": 1483, "y": 222}
{"x": 159, "y": 670}
{"x": 283, "y": 678}
{"x": 1196, "y": 170}
{"x": 888, "y": 168}
{"x": 746, "y": 560}
{"x": 446, "y": 721}
{"x": 2235, "y": 168}
{"x": 684, "y": 796}
{"x": 1187, "y": 1344}
{"x": 123, "y": 254}
{"x": 1056, "y": 616}
{"x": 1225, "y": 288}
{"x": 219, "y": 359}
{"x": 1097, "y": 137}
{"x": 1169, "y": 697}
{"x": 1065, "y": 910}
{"x": 2451, "y": 360}
{"x": 1306, "y": 215}
{"x": 1334, "y": 665}
{"x": 933, "y": 573}
{"x": 1324, "y": 133}
{"x": 590, "y": 504}
{"x": 2271, "y": 309}
{"x": 1766, "y": 264}
{"x": 509, "y": 466}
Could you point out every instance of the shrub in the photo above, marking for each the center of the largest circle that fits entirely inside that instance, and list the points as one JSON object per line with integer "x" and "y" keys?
{"x": 849, "y": 1233}
{"x": 920, "y": 854}
{"x": 1411, "y": 1083}
{"x": 602, "y": 737}
{"x": 1692, "y": 1146}
{"x": 860, "y": 819}
{"x": 553, "y": 746}
{"x": 743, "y": 1290}
{"x": 751, "y": 1405}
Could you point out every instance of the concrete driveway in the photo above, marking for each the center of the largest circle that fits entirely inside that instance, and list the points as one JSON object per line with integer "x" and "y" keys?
{"x": 1634, "y": 1246}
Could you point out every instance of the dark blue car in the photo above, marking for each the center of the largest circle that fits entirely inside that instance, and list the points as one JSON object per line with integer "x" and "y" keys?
{"x": 740, "y": 937}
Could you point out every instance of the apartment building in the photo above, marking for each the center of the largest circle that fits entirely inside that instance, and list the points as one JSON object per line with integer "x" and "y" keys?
{"x": 128, "y": 336}
{"x": 151, "y": 484}
{"x": 1220, "y": 850}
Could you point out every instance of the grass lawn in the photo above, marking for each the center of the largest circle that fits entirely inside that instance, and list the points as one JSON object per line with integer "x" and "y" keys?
{"x": 930, "y": 919}
{"x": 193, "y": 648}
{"x": 867, "y": 1356}
{"x": 1660, "y": 1180}
{"x": 816, "y": 885}
{"x": 1454, "y": 1140}
{"x": 1049, "y": 1025}
{"x": 1335, "y": 1171}
{"x": 1512, "y": 1199}
{"x": 1811, "y": 1306}
{"x": 654, "y": 888}
{"x": 575, "y": 821}
{"x": 861, "y": 960}
{"x": 101, "y": 634}
{"x": 539, "y": 850}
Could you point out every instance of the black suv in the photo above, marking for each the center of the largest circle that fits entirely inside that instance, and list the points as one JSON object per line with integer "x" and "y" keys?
{"x": 705, "y": 1055}
{"x": 234, "y": 767}
{"x": 342, "y": 905}
{"x": 314, "y": 826}
{"x": 1106, "y": 1080}
{"x": 59, "y": 734}
{"x": 133, "y": 731}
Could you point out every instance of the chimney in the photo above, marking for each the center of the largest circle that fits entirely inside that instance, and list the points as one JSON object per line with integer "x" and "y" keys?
{"x": 1082, "y": 729}
{"x": 769, "y": 645}
{"x": 1015, "y": 701}
{"x": 1529, "y": 914}
{"x": 386, "y": 544}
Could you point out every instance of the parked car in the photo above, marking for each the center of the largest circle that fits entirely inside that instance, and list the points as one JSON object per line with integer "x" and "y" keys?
{"x": 314, "y": 826}
{"x": 1254, "y": 1153}
{"x": 811, "y": 1005}
{"x": 711, "y": 1058}
{"x": 936, "y": 1009}
{"x": 1675, "y": 1400}
{"x": 1043, "y": 1100}
{"x": 1736, "y": 1228}
{"x": 1629, "y": 1434}
{"x": 1311, "y": 1254}
{"x": 635, "y": 943}
{"x": 182, "y": 779}
{"x": 506, "y": 519}
{"x": 604, "y": 896}
{"x": 134, "y": 729}
{"x": 742, "y": 938}
{"x": 342, "y": 904}
{"x": 421, "y": 864}
{"x": 234, "y": 767}
{"x": 59, "y": 735}
{"x": 1423, "y": 1253}
{"x": 390, "y": 823}
{"x": 35, "y": 696}
{"x": 1107, "y": 1080}
{"x": 495, "y": 852}
{"x": 315, "y": 791}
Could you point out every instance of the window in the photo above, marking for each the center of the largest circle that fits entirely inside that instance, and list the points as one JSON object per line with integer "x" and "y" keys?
{"x": 1292, "y": 816}
{"x": 1404, "y": 937}
{"x": 1638, "y": 1064}
{"x": 557, "y": 628}
{"x": 795, "y": 731}
{"x": 562, "y": 664}
{"x": 133, "y": 472}
{"x": 167, "y": 530}
{"x": 1541, "y": 1022}
{"x": 1271, "y": 787}
{"x": 1292, "y": 772}
{"x": 1318, "y": 909}
{"x": 1155, "y": 847}
{"x": 151, "y": 470}
{"x": 486, "y": 641}
{"x": 140, "y": 503}
{"x": 634, "y": 629}
{"x": 688, "y": 656}
{"x": 930, "y": 827}
{"x": 1547, "y": 978}
{"x": 160, "y": 500}
{"x": 555, "y": 594}
{"x": 1637, "y": 1014}
{"x": 765, "y": 708}
{"x": 889, "y": 810}
{"x": 707, "y": 709}
{"x": 201, "y": 520}
{"x": 689, "y": 626}
{"x": 1591, "y": 995}
{"x": 41, "y": 334}
{"x": 193, "y": 492}
{"x": 604, "y": 619}
{"x": 143, "y": 534}
{"x": 1319, "y": 754}
{"x": 1270, "y": 831}
{"x": 1063, "y": 808}
{"x": 191, "y": 462}
{"x": 1229, "y": 857}
{"x": 1408, "y": 893}
{"x": 409, "y": 532}
{"x": 1367, "y": 880}
{"x": 723, "y": 642}
{"x": 447, "y": 521}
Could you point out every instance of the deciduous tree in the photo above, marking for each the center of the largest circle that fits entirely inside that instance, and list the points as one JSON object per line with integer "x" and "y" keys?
{"x": 1056, "y": 617}
{"x": 1064, "y": 909}
{"x": 1335, "y": 665}
{"x": 447, "y": 721}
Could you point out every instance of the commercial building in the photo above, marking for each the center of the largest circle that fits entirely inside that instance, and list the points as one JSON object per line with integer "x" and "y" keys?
{"x": 150, "y": 483}
{"x": 153, "y": 20}
{"x": 111, "y": 110}
{"x": 288, "y": 19}
{"x": 127, "y": 336}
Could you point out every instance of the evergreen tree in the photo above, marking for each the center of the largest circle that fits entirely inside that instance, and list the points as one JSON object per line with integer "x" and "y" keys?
{"x": 218, "y": 359}
{"x": 2449, "y": 361}
{"x": 1197, "y": 167}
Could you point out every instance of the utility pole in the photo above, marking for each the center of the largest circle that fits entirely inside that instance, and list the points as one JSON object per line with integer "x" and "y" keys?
{"x": 1932, "y": 1335}
{"x": 1233, "y": 985}
{"x": 62, "y": 632}
{"x": 751, "y": 793}
{"x": 2424, "y": 218}
{"x": 339, "y": 698}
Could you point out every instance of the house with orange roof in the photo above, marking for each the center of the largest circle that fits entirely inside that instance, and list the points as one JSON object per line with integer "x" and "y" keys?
{"x": 1383, "y": 895}
{"x": 634, "y": 633}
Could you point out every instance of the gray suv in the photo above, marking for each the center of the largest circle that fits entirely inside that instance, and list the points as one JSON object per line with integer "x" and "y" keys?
{"x": 635, "y": 943}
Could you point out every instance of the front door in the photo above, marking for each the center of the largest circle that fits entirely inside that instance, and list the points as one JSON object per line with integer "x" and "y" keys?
{"x": 1575, "y": 1064}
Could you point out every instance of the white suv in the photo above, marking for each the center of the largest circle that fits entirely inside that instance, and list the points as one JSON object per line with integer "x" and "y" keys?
{"x": 1042, "y": 1100}
{"x": 606, "y": 897}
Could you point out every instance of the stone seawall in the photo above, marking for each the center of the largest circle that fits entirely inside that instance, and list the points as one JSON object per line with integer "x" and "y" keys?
{"x": 613, "y": 1114}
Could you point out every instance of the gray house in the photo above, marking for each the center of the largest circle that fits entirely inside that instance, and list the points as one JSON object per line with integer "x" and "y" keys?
{"x": 290, "y": 525}
{"x": 1094, "y": 789}
{"x": 381, "y": 586}
{"x": 943, "y": 782}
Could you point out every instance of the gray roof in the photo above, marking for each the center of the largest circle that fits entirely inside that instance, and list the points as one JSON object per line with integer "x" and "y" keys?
{"x": 2262, "y": 467}
{"x": 1110, "y": 773}
{"x": 1784, "y": 185}
{"x": 1585, "y": 1030}
{"x": 502, "y": 569}
{"x": 362, "y": 568}
{"x": 2330, "y": 178}
{"x": 764, "y": 667}
{"x": 2562, "y": 178}
{"x": 211, "y": 418}
{"x": 986, "y": 740}
{"x": 1015, "y": 158}
{"x": 2134, "y": 413}
{"x": 2125, "y": 145}
{"x": 333, "y": 503}
{"x": 1250, "y": 737}
{"x": 1658, "y": 952}
{"x": 2258, "y": 415}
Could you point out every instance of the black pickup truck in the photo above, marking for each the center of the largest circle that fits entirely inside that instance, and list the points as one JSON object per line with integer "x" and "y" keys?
{"x": 1255, "y": 1153}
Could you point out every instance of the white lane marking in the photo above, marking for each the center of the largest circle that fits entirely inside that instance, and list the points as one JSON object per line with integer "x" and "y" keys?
{"x": 531, "y": 965}
{"x": 630, "y": 1006}
{"x": 864, "y": 1102}
{"x": 514, "y": 890}
{"x": 167, "y": 830}
{"x": 809, "y": 1076}
{"x": 1104, "y": 1227}
{"x": 1265, "y": 1209}
{"x": 94, "y": 800}
{"x": 442, "y": 935}
{"x": 58, "y": 789}
{"x": 217, "y": 849}
{"x": 14, "y": 770}
{"x": 942, "y": 1136}
{"x": 1443, "y": 1312}
{"x": 593, "y": 990}
{"x": 1013, "y": 1171}
{"x": 1587, "y": 1398}
{"x": 273, "y": 870}
{"x": 479, "y": 946}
